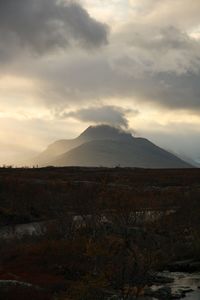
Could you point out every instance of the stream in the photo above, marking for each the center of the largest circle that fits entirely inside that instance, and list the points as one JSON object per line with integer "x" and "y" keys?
{"x": 185, "y": 284}
{"x": 183, "y": 280}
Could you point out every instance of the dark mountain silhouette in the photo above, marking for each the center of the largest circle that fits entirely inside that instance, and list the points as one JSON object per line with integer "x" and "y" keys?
{"x": 104, "y": 145}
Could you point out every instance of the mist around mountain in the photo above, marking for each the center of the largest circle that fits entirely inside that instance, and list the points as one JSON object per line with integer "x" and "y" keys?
{"x": 107, "y": 146}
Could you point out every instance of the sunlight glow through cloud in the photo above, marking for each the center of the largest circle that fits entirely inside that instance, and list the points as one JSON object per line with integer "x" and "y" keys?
{"x": 137, "y": 55}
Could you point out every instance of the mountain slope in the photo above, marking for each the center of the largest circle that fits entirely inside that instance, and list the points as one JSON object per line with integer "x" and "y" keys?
{"x": 107, "y": 146}
{"x": 110, "y": 153}
{"x": 102, "y": 132}
{"x": 56, "y": 149}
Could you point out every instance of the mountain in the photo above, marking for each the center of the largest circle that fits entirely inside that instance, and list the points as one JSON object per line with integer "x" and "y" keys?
{"x": 101, "y": 132}
{"x": 104, "y": 145}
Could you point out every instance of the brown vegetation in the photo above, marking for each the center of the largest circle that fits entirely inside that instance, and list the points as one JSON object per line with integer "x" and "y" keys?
{"x": 110, "y": 229}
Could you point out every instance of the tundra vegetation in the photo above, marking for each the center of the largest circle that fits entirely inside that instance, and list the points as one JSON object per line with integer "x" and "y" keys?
{"x": 104, "y": 232}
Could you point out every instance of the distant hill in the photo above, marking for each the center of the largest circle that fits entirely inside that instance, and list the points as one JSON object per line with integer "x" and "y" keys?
{"x": 107, "y": 146}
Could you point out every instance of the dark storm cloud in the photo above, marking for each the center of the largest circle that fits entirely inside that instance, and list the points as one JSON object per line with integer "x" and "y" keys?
{"x": 42, "y": 25}
{"x": 112, "y": 115}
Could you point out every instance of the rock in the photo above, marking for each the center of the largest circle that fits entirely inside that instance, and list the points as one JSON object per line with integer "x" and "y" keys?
{"x": 161, "y": 293}
{"x": 178, "y": 295}
{"x": 187, "y": 290}
{"x": 181, "y": 293}
{"x": 162, "y": 280}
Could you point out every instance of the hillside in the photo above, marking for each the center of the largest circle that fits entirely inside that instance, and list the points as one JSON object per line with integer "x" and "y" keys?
{"x": 109, "y": 147}
{"x": 110, "y": 153}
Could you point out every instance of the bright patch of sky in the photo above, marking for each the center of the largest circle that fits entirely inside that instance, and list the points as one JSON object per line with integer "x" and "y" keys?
{"x": 111, "y": 12}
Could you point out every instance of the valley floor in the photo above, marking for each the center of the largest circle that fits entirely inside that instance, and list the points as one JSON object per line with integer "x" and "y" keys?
{"x": 96, "y": 233}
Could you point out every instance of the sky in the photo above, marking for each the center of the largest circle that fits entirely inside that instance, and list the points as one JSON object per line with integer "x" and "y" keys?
{"x": 65, "y": 65}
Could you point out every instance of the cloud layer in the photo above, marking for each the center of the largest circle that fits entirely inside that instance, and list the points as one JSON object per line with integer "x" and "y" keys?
{"x": 60, "y": 62}
{"x": 111, "y": 115}
{"x": 43, "y": 25}
{"x": 148, "y": 60}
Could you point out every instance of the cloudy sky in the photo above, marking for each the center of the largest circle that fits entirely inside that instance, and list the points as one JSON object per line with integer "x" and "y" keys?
{"x": 67, "y": 64}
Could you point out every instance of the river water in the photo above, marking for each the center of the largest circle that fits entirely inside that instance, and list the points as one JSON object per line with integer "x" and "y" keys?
{"x": 183, "y": 282}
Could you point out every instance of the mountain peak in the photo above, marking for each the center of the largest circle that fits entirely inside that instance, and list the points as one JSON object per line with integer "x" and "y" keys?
{"x": 104, "y": 132}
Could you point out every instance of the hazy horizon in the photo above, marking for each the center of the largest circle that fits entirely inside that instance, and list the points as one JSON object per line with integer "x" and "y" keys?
{"x": 66, "y": 65}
